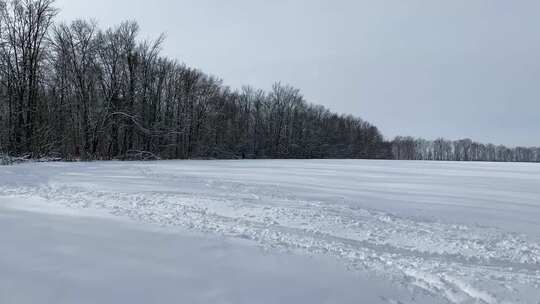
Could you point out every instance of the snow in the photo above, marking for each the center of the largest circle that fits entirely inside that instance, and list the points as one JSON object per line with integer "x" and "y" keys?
{"x": 320, "y": 231}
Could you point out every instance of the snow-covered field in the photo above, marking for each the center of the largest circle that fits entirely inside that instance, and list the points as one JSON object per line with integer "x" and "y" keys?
{"x": 270, "y": 232}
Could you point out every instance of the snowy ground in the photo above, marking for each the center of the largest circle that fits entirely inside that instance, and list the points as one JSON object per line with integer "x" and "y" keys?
{"x": 270, "y": 232}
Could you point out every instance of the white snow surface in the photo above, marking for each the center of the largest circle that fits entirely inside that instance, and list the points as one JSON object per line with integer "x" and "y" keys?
{"x": 327, "y": 231}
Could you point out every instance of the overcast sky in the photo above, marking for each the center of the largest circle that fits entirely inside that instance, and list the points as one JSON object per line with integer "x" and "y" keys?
{"x": 460, "y": 68}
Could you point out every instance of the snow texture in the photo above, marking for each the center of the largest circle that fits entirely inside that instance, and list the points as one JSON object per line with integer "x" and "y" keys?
{"x": 442, "y": 232}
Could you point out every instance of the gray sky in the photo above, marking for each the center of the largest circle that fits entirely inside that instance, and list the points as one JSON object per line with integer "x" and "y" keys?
{"x": 460, "y": 68}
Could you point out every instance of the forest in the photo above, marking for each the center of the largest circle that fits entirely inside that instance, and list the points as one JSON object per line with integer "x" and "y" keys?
{"x": 78, "y": 92}
{"x": 409, "y": 148}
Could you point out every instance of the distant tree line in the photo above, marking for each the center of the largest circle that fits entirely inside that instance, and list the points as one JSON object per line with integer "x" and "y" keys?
{"x": 409, "y": 148}
{"x": 75, "y": 91}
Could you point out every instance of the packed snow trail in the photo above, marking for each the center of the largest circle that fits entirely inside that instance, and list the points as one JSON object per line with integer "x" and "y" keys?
{"x": 466, "y": 233}
{"x": 65, "y": 256}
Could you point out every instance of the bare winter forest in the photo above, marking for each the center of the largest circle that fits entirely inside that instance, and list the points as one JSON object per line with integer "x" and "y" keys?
{"x": 129, "y": 176}
{"x": 75, "y": 91}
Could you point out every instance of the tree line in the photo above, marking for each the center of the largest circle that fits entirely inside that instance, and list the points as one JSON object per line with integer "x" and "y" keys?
{"x": 76, "y": 91}
{"x": 409, "y": 148}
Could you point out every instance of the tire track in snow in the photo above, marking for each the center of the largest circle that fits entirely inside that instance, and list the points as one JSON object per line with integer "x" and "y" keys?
{"x": 458, "y": 262}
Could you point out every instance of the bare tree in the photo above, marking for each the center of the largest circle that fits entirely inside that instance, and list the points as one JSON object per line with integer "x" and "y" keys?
{"x": 24, "y": 26}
